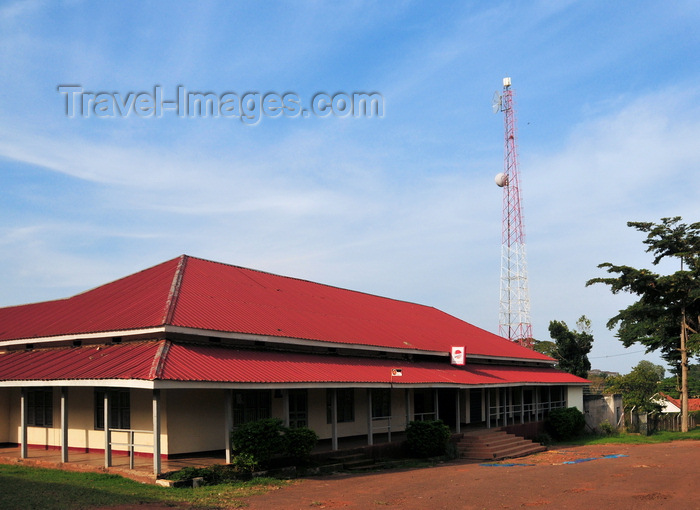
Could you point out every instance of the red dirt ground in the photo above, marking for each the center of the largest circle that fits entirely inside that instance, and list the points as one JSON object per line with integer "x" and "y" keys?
{"x": 644, "y": 476}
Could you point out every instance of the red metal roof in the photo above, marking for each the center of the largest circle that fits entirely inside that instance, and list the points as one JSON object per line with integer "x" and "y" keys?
{"x": 134, "y": 302}
{"x": 163, "y": 360}
{"x": 693, "y": 403}
{"x": 120, "y": 361}
{"x": 200, "y": 294}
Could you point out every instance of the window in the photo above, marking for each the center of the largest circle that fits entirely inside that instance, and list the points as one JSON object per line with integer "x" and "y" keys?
{"x": 119, "y": 409}
{"x": 345, "y": 405}
{"x": 298, "y": 405}
{"x": 40, "y": 408}
{"x": 251, "y": 405}
{"x": 381, "y": 403}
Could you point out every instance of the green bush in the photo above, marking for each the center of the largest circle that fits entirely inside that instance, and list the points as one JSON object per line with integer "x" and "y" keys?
{"x": 543, "y": 438}
{"x": 300, "y": 443}
{"x": 245, "y": 463}
{"x": 212, "y": 475}
{"x": 606, "y": 429}
{"x": 566, "y": 423}
{"x": 427, "y": 438}
{"x": 262, "y": 439}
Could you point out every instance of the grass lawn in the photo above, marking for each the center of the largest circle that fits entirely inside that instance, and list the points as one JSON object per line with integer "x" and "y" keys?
{"x": 50, "y": 489}
{"x": 24, "y": 487}
{"x": 625, "y": 438}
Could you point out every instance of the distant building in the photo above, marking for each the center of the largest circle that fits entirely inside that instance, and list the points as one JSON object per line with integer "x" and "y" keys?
{"x": 673, "y": 405}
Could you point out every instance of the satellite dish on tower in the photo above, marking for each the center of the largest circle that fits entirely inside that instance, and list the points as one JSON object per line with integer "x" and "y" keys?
{"x": 501, "y": 180}
{"x": 496, "y": 105}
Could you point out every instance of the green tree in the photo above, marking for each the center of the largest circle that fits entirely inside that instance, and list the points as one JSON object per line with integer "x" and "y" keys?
{"x": 638, "y": 387}
{"x": 545, "y": 347}
{"x": 667, "y": 313}
{"x": 572, "y": 347}
{"x": 672, "y": 385}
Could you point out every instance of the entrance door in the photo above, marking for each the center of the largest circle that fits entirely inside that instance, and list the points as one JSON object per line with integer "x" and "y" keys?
{"x": 476, "y": 405}
{"x": 447, "y": 407}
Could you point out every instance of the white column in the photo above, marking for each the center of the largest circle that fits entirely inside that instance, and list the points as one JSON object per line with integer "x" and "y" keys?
{"x": 370, "y": 439}
{"x": 64, "y": 424}
{"x": 437, "y": 405}
{"x": 334, "y": 419}
{"x": 408, "y": 405}
{"x": 108, "y": 438}
{"x": 156, "y": 432}
{"x": 23, "y": 423}
{"x": 487, "y": 391}
{"x": 285, "y": 407}
{"x": 504, "y": 405}
{"x": 228, "y": 424}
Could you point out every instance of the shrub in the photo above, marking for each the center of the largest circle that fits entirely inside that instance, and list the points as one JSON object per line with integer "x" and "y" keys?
{"x": 606, "y": 429}
{"x": 245, "y": 463}
{"x": 427, "y": 438}
{"x": 300, "y": 443}
{"x": 543, "y": 438}
{"x": 566, "y": 423}
{"x": 212, "y": 475}
{"x": 261, "y": 439}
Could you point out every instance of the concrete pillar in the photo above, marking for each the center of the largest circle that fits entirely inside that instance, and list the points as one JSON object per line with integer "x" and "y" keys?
{"x": 334, "y": 419}
{"x": 156, "y": 432}
{"x": 64, "y": 424}
{"x": 437, "y": 405}
{"x": 23, "y": 423}
{"x": 228, "y": 424}
{"x": 370, "y": 438}
{"x": 487, "y": 391}
{"x": 407, "y": 395}
{"x": 108, "y": 435}
{"x": 285, "y": 407}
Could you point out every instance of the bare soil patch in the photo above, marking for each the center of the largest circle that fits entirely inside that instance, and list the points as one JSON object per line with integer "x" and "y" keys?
{"x": 579, "y": 477}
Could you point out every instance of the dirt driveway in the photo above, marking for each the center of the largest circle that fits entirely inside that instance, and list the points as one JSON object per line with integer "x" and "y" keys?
{"x": 583, "y": 477}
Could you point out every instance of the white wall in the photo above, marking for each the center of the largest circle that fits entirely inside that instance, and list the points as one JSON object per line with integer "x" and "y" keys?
{"x": 574, "y": 397}
{"x": 195, "y": 421}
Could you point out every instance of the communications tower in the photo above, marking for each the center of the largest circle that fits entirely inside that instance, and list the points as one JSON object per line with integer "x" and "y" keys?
{"x": 514, "y": 312}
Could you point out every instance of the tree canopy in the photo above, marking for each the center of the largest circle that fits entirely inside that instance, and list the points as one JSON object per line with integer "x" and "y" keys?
{"x": 571, "y": 347}
{"x": 638, "y": 387}
{"x": 666, "y": 316}
{"x": 655, "y": 319}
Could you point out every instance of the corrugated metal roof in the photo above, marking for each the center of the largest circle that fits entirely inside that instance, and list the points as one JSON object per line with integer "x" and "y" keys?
{"x": 200, "y": 294}
{"x": 134, "y": 302}
{"x": 132, "y": 360}
{"x": 205, "y": 363}
{"x": 163, "y": 360}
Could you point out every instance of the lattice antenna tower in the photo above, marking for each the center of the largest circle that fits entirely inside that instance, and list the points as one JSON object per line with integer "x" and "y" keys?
{"x": 514, "y": 312}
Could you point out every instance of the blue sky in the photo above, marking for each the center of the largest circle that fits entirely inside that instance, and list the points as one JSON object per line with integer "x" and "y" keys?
{"x": 403, "y": 206}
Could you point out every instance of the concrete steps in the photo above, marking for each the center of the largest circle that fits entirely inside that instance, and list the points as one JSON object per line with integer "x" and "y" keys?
{"x": 495, "y": 444}
{"x": 358, "y": 462}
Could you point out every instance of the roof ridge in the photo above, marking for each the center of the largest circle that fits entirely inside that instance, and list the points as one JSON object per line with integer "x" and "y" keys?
{"x": 159, "y": 360}
{"x": 174, "y": 293}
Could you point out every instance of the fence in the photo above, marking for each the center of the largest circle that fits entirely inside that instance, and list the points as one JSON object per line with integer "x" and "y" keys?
{"x": 672, "y": 422}
{"x": 649, "y": 423}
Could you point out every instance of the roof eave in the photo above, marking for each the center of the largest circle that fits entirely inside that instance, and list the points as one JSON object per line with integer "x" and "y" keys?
{"x": 84, "y": 336}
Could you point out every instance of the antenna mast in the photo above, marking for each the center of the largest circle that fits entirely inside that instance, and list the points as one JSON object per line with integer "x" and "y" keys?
{"x": 514, "y": 313}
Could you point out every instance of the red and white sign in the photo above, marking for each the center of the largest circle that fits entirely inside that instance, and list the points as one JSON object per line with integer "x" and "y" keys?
{"x": 457, "y": 356}
{"x": 396, "y": 372}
